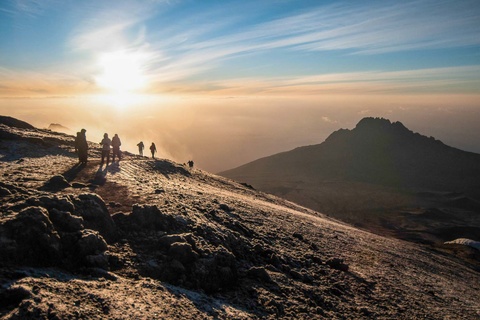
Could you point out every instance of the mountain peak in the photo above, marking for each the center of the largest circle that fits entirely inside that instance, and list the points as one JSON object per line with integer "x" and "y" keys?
{"x": 381, "y": 124}
{"x": 371, "y": 129}
{"x": 373, "y": 121}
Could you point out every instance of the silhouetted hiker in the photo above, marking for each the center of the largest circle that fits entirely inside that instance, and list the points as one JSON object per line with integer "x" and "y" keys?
{"x": 140, "y": 148}
{"x": 116, "y": 143}
{"x": 77, "y": 141}
{"x": 106, "y": 142}
{"x": 190, "y": 164}
{"x": 153, "y": 149}
{"x": 81, "y": 146}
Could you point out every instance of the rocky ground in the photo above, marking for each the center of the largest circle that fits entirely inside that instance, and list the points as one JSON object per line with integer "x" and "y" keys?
{"x": 152, "y": 239}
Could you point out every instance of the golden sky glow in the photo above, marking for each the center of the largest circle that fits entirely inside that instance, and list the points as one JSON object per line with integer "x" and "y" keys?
{"x": 226, "y": 82}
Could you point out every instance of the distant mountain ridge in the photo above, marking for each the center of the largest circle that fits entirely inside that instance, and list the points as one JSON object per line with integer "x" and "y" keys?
{"x": 12, "y": 122}
{"x": 376, "y": 151}
{"x": 59, "y": 128}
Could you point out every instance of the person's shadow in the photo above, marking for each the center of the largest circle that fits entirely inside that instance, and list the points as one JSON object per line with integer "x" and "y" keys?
{"x": 100, "y": 176}
{"x": 72, "y": 173}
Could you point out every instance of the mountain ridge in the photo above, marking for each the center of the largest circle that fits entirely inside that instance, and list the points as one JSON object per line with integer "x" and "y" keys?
{"x": 377, "y": 176}
{"x": 375, "y": 151}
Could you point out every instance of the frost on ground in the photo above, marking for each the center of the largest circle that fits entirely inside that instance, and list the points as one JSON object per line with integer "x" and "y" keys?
{"x": 151, "y": 239}
{"x": 465, "y": 242}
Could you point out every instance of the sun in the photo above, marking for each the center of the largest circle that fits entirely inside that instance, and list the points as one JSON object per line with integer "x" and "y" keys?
{"x": 122, "y": 72}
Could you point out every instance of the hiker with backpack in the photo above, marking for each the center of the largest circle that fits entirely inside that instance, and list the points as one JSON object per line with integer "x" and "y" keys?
{"x": 106, "y": 143}
{"x": 153, "y": 149}
{"x": 116, "y": 143}
{"x": 81, "y": 146}
{"x": 140, "y": 146}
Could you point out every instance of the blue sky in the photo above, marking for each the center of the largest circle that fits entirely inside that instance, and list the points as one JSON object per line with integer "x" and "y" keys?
{"x": 244, "y": 46}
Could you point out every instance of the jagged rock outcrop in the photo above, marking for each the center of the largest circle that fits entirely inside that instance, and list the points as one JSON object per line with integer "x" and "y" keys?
{"x": 95, "y": 215}
{"x": 54, "y": 231}
{"x": 29, "y": 237}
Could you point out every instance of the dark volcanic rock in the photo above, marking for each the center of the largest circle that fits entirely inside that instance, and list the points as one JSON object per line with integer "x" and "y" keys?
{"x": 216, "y": 273}
{"x": 4, "y": 192}
{"x": 61, "y": 203}
{"x": 149, "y": 217}
{"x": 182, "y": 252}
{"x": 13, "y": 296}
{"x": 57, "y": 182}
{"x": 65, "y": 221}
{"x": 338, "y": 264}
{"x": 95, "y": 214}
{"x": 85, "y": 248}
{"x": 29, "y": 238}
{"x": 259, "y": 273}
{"x": 166, "y": 241}
{"x": 89, "y": 207}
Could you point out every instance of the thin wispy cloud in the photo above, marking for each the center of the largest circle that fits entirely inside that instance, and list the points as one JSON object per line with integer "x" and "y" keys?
{"x": 448, "y": 80}
{"x": 194, "y": 45}
{"x": 362, "y": 29}
{"x": 31, "y": 8}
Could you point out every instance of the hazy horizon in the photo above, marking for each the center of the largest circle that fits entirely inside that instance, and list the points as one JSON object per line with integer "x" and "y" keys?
{"x": 225, "y": 83}
{"x": 218, "y": 137}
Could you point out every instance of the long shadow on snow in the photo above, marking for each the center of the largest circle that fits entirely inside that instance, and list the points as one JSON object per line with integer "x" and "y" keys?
{"x": 167, "y": 167}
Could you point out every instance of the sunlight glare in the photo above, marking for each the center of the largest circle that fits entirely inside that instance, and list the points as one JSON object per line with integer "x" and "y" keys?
{"x": 121, "y": 100}
{"x": 122, "y": 72}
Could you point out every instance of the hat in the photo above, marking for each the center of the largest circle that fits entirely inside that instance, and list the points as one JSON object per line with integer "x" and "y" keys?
{"x": 83, "y": 130}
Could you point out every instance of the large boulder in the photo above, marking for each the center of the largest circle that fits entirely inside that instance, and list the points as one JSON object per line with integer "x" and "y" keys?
{"x": 56, "y": 183}
{"x": 89, "y": 207}
{"x": 29, "y": 238}
{"x": 167, "y": 240}
{"x": 62, "y": 203}
{"x": 66, "y": 222}
{"x": 84, "y": 248}
{"x": 182, "y": 252}
{"x": 90, "y": 243}
{"x": 95, "y": 215}
{"x": 215, "y": 273}
{"x": 149, "y": 217}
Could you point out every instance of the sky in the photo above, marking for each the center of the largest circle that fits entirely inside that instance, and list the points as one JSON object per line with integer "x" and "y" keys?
{"x": 226, "y": 82}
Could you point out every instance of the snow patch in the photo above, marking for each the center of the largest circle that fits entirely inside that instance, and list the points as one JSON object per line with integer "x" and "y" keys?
{"x": 465, "y": 242}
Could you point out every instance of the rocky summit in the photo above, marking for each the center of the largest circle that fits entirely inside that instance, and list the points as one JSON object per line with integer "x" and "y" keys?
{"x": 152, "y": 239}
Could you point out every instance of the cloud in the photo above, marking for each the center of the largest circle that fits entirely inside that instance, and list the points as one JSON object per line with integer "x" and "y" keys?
{"x": 193, "y": 52}
{"x": 444, "y": 80}
{"x": 328, "y": 120}
{"x": 364, "y": 28}
{"x": 15, "y": 83}
{"x": 31, "y": 8}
